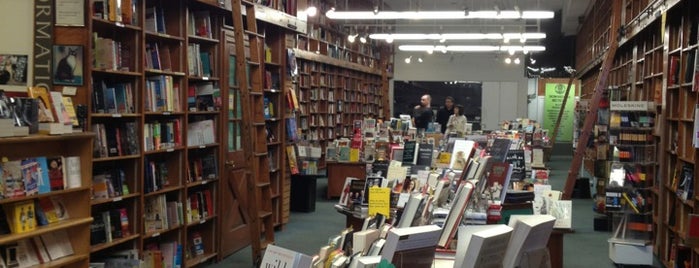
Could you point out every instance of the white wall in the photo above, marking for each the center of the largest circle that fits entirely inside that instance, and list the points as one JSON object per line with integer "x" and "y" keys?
{"x": 504, "y": 86}
{"x": 17, "y": 20}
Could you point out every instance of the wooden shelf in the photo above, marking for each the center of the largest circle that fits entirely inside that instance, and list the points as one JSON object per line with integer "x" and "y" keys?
{"x": 65, "y": 261}
{"x": 200, "y": 222}
{"x": 200, "y": 259}
{"x": 44, "y": 195}
{"x": 115, "y": 158}
{"x": 161, "y": 232}
{"x": 200, "y": 182}
{"x": 113, "y": 199}
{"x": 115, "y": 242}
{"x": 40, "y": 230}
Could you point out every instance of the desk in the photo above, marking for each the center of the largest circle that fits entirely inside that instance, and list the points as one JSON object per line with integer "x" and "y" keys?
{"x": 303, "y": 192}
{"x": 339, "y": 171}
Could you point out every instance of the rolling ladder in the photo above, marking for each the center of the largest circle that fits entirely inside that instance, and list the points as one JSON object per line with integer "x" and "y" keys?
{"x": 250, "y": 70}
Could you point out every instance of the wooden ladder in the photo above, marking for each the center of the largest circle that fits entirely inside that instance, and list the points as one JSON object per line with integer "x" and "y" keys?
{"x": 250, "y": 70}
{"x": 591, "y": 116}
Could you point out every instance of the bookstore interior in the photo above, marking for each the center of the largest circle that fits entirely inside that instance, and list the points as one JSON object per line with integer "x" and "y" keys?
{"x": 175, "y": 133}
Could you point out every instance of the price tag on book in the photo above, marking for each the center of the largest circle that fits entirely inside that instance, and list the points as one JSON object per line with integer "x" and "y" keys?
{"x": 202, "y": 146}
{"x": 155, "y": 234}
{"x": 116, "y": 115}
{"x": 117, "y": 199}
{"x": 119, "y": 24}
{"x": 205, "y": 78}
{"x": 167, "y": 113}
{"x": 204, "y": 182}
{"x": 202, "y": 221}
{"x": 170, "y": 150}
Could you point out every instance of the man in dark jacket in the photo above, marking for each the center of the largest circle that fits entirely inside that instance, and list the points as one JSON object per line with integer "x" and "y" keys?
{"x": 444, "y": 113}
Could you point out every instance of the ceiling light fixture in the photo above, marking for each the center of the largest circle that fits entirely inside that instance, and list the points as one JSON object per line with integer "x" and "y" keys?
{"x": 408, "y": 59}
{"x": 362, "y": 39}
{"x": 311, "y": 11}
{"x": 517, "y": 61}
{"x": 419, "y": 59}
{"x": 469, "y": 48}
{"x": 376, "y": 10}
{"x": 458, "y": 36}
{"x": 532, "y": 60}
{"x": 388, "y": 40}
{"x": 450, "y": 15}
{"x": 508, "y": 60}
{"x": 351, "y": 38}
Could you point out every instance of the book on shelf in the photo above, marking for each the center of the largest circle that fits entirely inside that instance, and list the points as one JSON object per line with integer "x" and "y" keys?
{"x": 481, "y": 246}
{"x": 51, "y": 210}
{"x": 201, "y": 132}
{"x": 291, "y": 159}
{"x": 21, "y": 216}
{"x": 45, "y": 105}
{"x": 498, "y": 180}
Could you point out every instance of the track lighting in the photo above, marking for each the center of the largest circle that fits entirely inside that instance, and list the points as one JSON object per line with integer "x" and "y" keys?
{"x": 362, "y": 39}
{"x": 408, "y": 59}
{"x": 508, "y": 60}
{"x": 517, "y": 61}
{"x": 419, "y": 59}
{"x": 445, "y": 14}
{"x": 532, "y": 60}
{"x": 351, "y": 38}
{"x": 388, "y": 40}
{"x": 376, "y": 10}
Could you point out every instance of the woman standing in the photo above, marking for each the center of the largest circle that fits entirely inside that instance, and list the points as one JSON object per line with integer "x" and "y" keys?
{"x": 457, "y": 121}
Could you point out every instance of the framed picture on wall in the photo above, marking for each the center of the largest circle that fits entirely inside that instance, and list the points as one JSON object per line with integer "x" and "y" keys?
{"x": 68, "y": 65}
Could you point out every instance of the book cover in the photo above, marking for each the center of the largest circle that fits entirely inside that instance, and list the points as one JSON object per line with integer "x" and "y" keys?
{"x": 481, "y": 246}
{"x": 55, "y": 172}
{"x": 12, "y": 179}
{"x": 31, "y": 176}
{"x": 22, "y": 217}
{"x": 291, "y": 159}
{"x": 45, "y": 104}
{"x": 456, "y": 212}
{"x": 276, "y": 256}
{"x": 498, "y": 179}
{"x": 411, "y": 246}
{"x": 345, "y": 196}
{"x": 530, "y": 233}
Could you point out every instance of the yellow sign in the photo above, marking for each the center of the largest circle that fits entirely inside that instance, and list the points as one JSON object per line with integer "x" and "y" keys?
{"x": 379, "y": 200}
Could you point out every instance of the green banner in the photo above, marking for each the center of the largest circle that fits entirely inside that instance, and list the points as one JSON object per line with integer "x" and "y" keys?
{"x": 552, "y": 106}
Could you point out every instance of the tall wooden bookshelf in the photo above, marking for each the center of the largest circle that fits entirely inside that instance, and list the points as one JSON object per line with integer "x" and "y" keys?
{"x": 338, "y": 82}
{"x": 156, "y": 109}
{"x": 657, "y": 62}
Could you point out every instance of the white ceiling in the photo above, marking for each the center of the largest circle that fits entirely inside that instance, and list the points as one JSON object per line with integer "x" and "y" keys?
{"x": 571, "y": 10}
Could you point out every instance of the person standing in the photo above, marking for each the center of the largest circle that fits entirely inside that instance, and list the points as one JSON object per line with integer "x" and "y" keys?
{"x": 422, "y": 114}
{"x": 457, "y": 121}
{"x": 444, "y": 113}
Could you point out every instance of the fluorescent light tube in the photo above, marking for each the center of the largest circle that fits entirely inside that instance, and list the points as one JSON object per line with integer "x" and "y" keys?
{"x": 417, "y": 15}
{"x": 469, "y": 48}
{"x": 457, "y": 36}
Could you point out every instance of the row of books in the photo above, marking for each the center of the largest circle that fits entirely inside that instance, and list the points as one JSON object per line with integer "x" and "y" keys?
{"x": 207, "y": 97}
{"x": 199, "y": 206}
{"x": 37, "y": 250}
{"x": 109, "y": 183}
{"x": 53, "y": 107}
{"x": 161, "y": 214}
{"x": 202, "y": 167}
{"x": 109, "y": 225}
{"x": 162, "y": 135}
{"x": 156, "y": 176}
{"x": 198, "y": 61}
{"x": 631, "y": 119}
{"x": 38, "y": 175}
{"x": 110, "y": 54}
{"x": 164, "y": 254}
{"x": 158, "y": 57}
{"x": 199, "y": 23}
{"x": 123, "y": 11}
{"x": 162, "y": 94}
{"x": 26, "y": 216}
{"x": 113, "y": 98}
{"x": 201, "y": 133}
{"x": 115, "y": 139}
{"x": 155, "y": 19}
